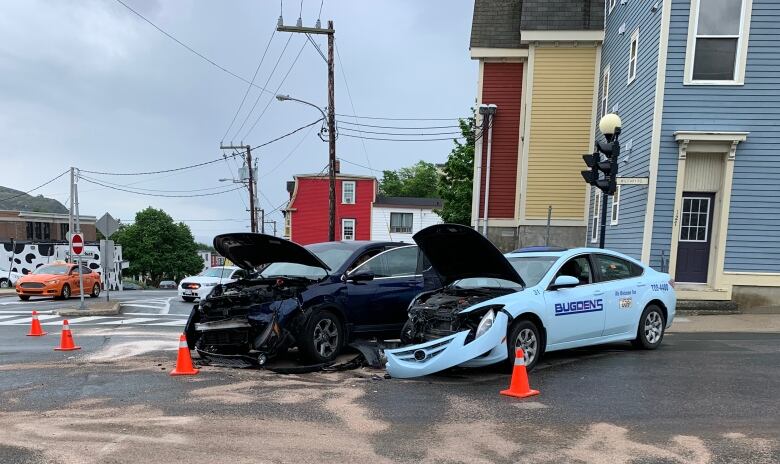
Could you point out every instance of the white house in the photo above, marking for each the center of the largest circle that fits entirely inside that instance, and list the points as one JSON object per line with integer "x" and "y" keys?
{"x": 398, "y": 218}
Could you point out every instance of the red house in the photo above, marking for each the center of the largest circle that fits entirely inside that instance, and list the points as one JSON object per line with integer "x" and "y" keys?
{"x": 306, "y": 216}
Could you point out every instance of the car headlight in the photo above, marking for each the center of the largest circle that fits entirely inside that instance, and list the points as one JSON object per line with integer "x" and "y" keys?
{"x": 486, "y": 323}
{"x": 53, "y": 282}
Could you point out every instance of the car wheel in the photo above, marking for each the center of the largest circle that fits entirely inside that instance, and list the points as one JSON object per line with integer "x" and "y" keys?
{"x": 188, "y": 299}
{"x": 5, "y": 283}
{"x": 24, "y": 297}
{"x": 651, "y": 328}
{"x": 524, "y": 334}
{"x": 322, "y": 338}
{"x": 95, "y": 291}
{"x": 65, "y": 294}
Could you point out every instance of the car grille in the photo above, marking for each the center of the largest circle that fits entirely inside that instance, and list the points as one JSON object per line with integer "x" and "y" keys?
{"x": 32, "y": 285}
{"x": 225, "y": 337}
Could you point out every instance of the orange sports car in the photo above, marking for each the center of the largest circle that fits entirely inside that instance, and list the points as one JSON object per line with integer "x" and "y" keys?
{"x": 60, "y": 280}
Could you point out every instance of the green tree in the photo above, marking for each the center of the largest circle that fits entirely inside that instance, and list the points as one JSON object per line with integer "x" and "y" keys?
{"x": 455, "y": 184}
{"x": 419, "y": 180}
{"x": 157, "y": 247}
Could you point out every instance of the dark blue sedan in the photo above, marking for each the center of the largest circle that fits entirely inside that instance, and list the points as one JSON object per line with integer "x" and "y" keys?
{"x": 316, "y": 298}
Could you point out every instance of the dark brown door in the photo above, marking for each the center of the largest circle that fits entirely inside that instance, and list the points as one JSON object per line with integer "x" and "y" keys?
{"x": 693, "y": 248}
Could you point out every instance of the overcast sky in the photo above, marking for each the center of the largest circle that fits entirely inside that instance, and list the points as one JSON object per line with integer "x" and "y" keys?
{"x": 89, "y": 84}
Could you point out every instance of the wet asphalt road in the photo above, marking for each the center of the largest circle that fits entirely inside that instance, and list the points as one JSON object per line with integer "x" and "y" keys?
{"x": 700, "y": 398}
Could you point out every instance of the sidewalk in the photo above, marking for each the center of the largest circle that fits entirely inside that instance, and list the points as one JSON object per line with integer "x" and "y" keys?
{"x": 7, "y": 292}
{"x": 727, "y": 323}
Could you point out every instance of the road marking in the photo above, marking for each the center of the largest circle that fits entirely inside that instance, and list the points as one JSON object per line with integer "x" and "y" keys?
{"x": 136, "y": 320}
{"x": 178, "y": 323}
{"x": 155, "y": 314}
{"x": 8, "y": 317}
{"x": 81, "y": 320}
{"x": 682, "y": 319}
{"x": 26, "y": 320}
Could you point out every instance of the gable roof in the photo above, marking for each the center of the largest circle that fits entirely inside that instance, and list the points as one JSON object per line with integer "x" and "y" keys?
{"x": 409, "y": 201}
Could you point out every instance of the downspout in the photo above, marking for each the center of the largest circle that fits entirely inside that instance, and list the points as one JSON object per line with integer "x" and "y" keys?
{"x": 490, "y": 115}
{"x": 478, "y": 166}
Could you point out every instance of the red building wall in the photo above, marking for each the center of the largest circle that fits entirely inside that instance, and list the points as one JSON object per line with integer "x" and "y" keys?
{"x": 502, "y": 85}
{"x": 309, "y": 218}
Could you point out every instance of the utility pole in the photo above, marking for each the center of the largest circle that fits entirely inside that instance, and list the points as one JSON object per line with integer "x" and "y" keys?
{"x": 70, "y": 209}
{"x": 251, "y": 182}
{"x": 78, "y": 230}
{"x": 330, "y": 32}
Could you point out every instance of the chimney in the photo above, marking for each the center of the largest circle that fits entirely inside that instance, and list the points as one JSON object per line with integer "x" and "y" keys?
{"x": 290, "y": 187}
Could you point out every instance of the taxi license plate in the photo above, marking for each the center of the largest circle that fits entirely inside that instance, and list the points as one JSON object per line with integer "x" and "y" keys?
{"x": 188, "y": 293}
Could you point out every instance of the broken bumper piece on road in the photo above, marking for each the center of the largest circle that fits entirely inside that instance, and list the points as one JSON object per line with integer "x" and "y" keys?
{"x": 450, "y": 351}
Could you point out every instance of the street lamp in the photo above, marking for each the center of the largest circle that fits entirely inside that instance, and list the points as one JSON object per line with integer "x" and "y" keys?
{"x": 331, "y": 120}
{"x": 610, "y": 125}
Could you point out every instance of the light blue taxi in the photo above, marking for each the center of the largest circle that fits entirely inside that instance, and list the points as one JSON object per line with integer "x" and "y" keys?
{"x": 538, "y": 299}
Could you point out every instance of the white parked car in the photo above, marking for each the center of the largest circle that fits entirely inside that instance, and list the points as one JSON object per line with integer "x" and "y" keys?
{"x": 8, "y": 279}
{"x": 201, "y": 285}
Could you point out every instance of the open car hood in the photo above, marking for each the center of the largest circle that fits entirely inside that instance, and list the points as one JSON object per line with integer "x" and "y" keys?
{"x": 460, "y": 252}
{"x": 249, "y": 251}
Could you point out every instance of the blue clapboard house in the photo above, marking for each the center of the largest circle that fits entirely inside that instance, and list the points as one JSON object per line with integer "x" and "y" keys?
{"x": 697, "y": 86}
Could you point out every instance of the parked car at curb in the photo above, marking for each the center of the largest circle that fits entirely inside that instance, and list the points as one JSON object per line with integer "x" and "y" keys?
{"x": 8, "y": 278}
{"x": 167, "y": 284}
{"x": 60, "y": 280}
{"x": 130, "y": 285}
{"x": 202, "y": 284}
{"x": 315, "y": 298}
{"x": 539, "y": 300}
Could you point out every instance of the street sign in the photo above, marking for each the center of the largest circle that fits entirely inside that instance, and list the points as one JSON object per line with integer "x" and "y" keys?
{"x": 107, "y": 262}
{"x": 77, "y": 244}
{"x": 107, "y": 225}
{"x": 632, "y": 180}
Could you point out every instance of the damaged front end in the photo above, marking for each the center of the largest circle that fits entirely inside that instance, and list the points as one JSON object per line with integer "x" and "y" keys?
{"x": 257, "y": 317}
{"x": 451, "y": 327}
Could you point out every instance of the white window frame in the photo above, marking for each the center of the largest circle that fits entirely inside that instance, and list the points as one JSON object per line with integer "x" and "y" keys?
{"x": 611, "y": 6}
{"x": 706, "y": 226}
{"x": 605, "y": 92}
{"x": 596, "y": 219}
{"x": 634, "y": 58}
{"x": 344, "y": 223}
{"x": 344, "y": 198}
{"x": 740, "y": 61}
{"x": 402, "y": 213}
{"x": 615, "y": 212}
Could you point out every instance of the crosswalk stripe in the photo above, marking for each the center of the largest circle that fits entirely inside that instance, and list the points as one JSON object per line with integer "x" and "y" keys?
{"x": 81, "y": 320}
{"x": 178, "y": 323}
{"x": 136, "y": 320}
{"x": 27, "y": 319}
{"x": 9, "y": 317}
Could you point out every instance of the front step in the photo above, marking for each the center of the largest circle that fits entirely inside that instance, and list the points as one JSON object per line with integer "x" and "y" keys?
{"x": 705, "y": 307}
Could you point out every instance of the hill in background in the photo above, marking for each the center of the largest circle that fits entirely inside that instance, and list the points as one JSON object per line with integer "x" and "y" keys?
{"x": 15, "y": 200}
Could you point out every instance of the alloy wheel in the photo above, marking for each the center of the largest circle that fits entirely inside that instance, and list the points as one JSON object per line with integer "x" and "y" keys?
{"x": 326, "y": 337}
{"x": 653, "y": 327}
{"x": 4, "y": 283}
{"x": 526, "y": 340}
{"x": 66, "y": 292}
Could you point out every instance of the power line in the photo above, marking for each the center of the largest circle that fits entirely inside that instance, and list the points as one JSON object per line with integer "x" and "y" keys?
{"x": 361, "y": 131}
{"x": 257, "y": 100}
{"x": 316, "y": 47}
{"x": 36, "y": 188}
{"x": 249, "y": 87}
{"x": 218, "y": 187}
{"x": 397, "y": 127}
{"x": 295, "y": 148}
{"x": 161, "y": 171}
{"x": 360, "y": 165}
{"x": 400, "y": 140}
{"x": 192, "y": 50}
{"x": 287, "y": 134}
{"x": 399, "y": 119}
{"x": 270, "y": 100}
{"x": 158, "y": 194}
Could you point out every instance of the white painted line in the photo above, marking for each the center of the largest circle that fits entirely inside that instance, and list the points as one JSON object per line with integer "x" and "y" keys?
{"x": 81, "y": 320}
{"x": 9, "y": 317}
{"x": 136, "y": 320}
{"x": 27, "y": 320}
{"x": 178, "y": 323}
{"x": 681, "y": 319}
{"x": 155, "y": 314}
{"x": 143, "y": 306}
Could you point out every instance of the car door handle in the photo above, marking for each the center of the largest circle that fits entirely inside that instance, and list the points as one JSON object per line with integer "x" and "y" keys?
{"x": 598, "y": 293}
{"x": 641, "y": 285}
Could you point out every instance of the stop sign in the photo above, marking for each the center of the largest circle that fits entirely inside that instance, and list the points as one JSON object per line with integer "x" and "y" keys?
{"x": 77, "y": 244}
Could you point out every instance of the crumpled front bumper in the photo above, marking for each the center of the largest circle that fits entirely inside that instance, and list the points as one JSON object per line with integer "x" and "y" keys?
{"x": 443, "y": 353}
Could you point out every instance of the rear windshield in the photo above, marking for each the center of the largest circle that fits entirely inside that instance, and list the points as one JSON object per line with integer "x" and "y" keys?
{"x": 532, "y": 268}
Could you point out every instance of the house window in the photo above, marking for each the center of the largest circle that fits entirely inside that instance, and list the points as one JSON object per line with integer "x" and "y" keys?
{"x": 633, "y": 53}
{"x": 63, "y": 231}
{"x": 594, "y": 224}
{"x": 347, "y": 229}
{"x": 288, "y": 224}
{"x": 716, "y": 44}
{"x": 605, "y": 92}
{"x": 612, "y": 5}
{"x": 615, "y": 207}
{"x": 401, "y": 223}
{"x": 348, "y": 192}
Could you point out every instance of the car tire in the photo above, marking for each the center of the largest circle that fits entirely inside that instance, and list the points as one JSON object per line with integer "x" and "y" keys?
{"x": 651, "y": 329}
{"x": 187, "y": 299}
{"x": 524, "y": 334}
{"x": 65, "y": 293}
{"x": 322, "y": 338}
{"x": 24, "y": 297}
{"x": 5, "y": 283}
{"x": 95, "y": 291}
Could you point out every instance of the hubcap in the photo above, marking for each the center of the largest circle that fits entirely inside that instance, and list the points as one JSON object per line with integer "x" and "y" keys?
{"x": 653, "y": 327}
{"x": 66, "y": 292}
{"x": 326, "y": 337}
{"x": 96, "y": 290}
{"x": 526, "y": 340}
{"x": 4, "y": 284}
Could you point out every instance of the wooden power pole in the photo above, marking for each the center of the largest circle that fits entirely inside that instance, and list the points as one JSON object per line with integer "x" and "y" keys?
{"x": 251, "y": 182}
{"x": 330, "y": 32}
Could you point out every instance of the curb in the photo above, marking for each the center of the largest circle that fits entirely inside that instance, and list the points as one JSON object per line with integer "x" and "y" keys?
{"x": 75, "y": 312}
{"x": 707, "y": 312}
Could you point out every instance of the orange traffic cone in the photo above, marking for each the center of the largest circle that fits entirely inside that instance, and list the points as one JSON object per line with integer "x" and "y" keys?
{"x": 35, "y": 328}
{"x": 183, "y": 360}
{"x": 66, "y": 340}
{"x": 519, "y": 387}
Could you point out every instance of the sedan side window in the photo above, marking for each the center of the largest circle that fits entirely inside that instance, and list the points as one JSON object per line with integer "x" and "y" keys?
{"x": 613, "y": 268}
{"x": 578, "y": 267}
{"x": 396, "y": 262}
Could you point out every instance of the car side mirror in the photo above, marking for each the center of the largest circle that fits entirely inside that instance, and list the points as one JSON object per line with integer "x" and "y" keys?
{"x": 361, "y": 276}
{"x": 565, "y": 281}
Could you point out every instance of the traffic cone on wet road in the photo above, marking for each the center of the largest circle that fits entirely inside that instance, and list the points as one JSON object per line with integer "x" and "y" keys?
{"x": 519, "y": 387}
{"x": 66, "y": 340}
{"x": 35, "y": 328}
{"x": 183, "y": 360}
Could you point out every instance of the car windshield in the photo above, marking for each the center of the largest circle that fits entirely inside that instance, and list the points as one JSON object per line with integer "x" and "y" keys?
{"x": 332, "y": 254}
{"x": 532, "y": 268}
{"x": 215, "y": 272}
{"x": 55, "y": 269}
{"x": 486, "y": 282}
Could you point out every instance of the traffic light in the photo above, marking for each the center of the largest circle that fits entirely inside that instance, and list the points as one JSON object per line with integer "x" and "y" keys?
{"x": 607, "y": 184}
